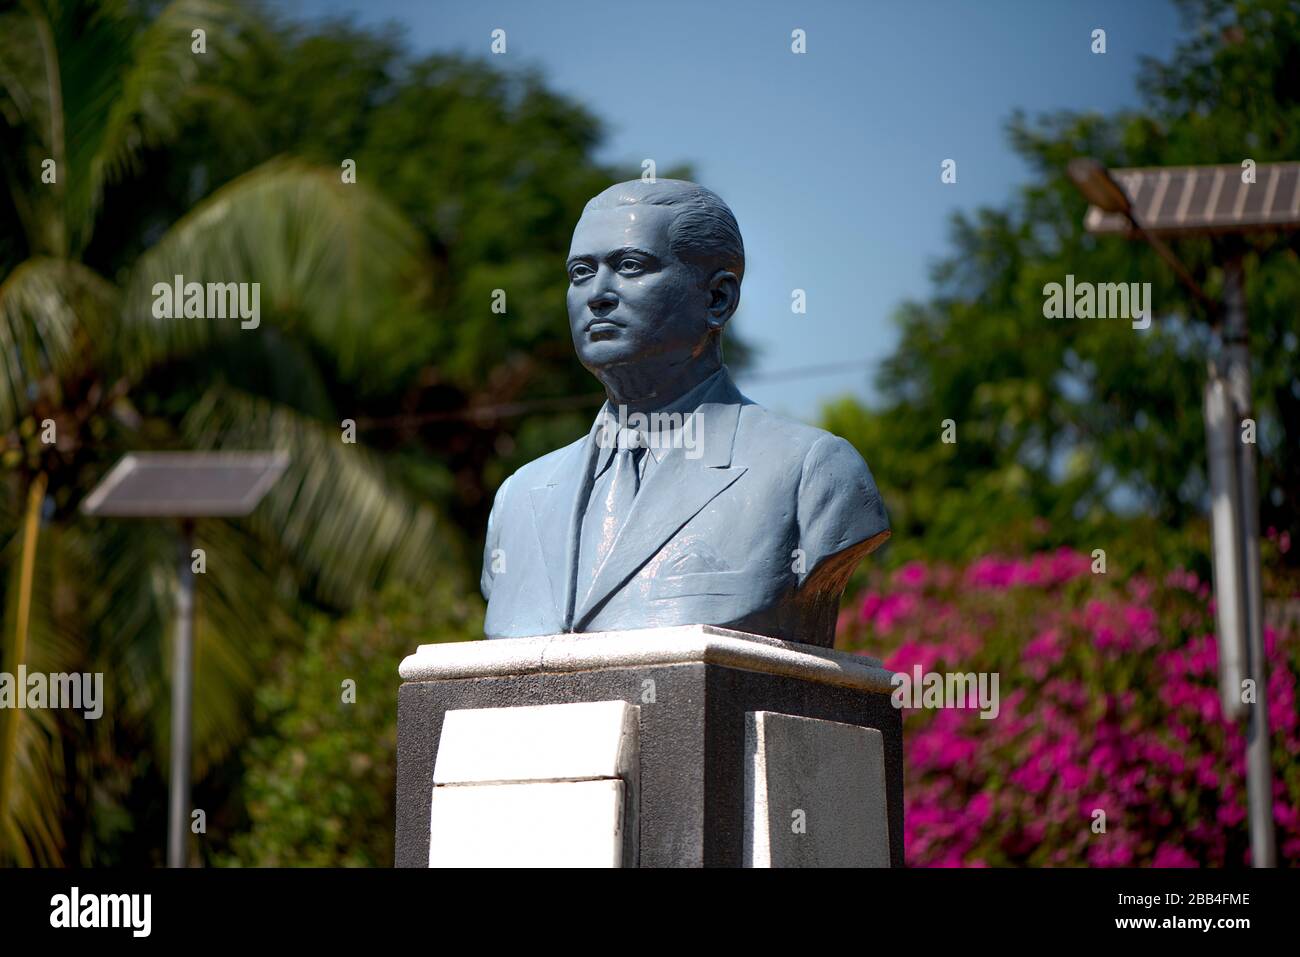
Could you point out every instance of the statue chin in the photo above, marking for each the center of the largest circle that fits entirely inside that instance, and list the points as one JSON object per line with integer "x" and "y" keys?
{"x": 599, "y": 354}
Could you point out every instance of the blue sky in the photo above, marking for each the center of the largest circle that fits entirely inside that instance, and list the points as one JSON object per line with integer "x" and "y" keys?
{"x": 830, "y": 159}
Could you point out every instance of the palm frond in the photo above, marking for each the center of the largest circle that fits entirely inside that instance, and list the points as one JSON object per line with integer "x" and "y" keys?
{"x": 31, "y": 832}
{"x": 335, "y": 264}
{"x": 98, "y": 85}
{"x": 240, "y": 617}
{"x": 131, "y": 614}
{"x": 25, "y": 111}
{"x": 162, "y": 81}
{"x": 129, "y": 608}
{"x": 25, "y": 97}
{"x": 273, "y": 365}
{"x": 335, "y": 511}
{"x": 49, "y": 310}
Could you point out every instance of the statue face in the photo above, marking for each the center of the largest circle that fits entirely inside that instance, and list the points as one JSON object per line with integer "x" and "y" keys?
{"x": 630, "y": 299}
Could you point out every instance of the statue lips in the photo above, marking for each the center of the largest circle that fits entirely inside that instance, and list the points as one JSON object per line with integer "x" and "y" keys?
{"x": 602, "y": 327}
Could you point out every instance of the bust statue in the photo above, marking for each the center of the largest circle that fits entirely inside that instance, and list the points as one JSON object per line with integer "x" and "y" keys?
{"x": 686, "y": 503}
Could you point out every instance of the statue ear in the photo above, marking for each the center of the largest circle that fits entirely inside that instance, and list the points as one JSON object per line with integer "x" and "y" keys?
{"x": 724, "y": 298}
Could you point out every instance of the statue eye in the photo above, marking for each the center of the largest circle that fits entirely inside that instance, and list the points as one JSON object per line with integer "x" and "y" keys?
{"x": 579, "y": 272}
{"x": 630, "y": 265}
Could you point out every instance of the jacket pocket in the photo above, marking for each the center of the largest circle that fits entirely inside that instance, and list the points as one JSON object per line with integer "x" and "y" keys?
{"x": 701, "y": 583}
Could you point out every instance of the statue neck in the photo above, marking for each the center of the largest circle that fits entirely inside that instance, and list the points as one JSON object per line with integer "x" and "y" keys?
{"x": 646, "y": 387}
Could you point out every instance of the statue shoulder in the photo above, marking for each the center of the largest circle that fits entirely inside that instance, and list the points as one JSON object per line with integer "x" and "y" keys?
{"x": 839, "y": 503}
{"x": 834, "y": 479}
{"x": 808, "y": 442}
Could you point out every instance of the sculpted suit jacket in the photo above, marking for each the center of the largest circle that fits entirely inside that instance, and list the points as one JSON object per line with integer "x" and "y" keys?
{"x": 758, "y": 529}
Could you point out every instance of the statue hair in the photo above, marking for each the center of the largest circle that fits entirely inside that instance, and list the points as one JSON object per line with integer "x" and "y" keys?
{"x": 703, "y": 233}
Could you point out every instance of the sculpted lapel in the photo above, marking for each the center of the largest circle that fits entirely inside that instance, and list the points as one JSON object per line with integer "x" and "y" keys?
{"x": 672, "y": 495}
{"x": 557, "y": 519}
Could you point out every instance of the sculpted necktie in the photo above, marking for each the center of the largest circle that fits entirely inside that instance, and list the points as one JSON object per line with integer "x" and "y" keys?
{"x": 607, "y": 515}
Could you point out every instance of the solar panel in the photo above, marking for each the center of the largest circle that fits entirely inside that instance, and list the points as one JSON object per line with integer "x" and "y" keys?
{"x": 185, "y": 484}
{"x": 1173, "y": 200}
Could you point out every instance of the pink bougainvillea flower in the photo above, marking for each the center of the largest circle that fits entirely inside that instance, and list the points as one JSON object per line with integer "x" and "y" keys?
{"x": 1109, "y": 749}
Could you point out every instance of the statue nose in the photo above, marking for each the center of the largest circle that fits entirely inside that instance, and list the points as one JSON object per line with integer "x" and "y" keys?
{"x": 602, "y": 300}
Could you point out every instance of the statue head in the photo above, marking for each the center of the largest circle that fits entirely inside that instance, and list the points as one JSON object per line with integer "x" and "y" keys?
{"x": 654, "y": 275}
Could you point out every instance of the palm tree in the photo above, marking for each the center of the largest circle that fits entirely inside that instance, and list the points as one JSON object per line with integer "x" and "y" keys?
{"x": 86, "y": 88}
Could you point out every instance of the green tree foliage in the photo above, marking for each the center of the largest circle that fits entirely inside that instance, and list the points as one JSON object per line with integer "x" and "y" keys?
{"x": 1064, "y": 424}
{"x": 94, "y": 87}
{"x": 318, "y": 785}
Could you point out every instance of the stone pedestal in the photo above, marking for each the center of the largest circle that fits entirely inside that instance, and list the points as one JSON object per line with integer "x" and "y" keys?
{"x": 661, "y": 747}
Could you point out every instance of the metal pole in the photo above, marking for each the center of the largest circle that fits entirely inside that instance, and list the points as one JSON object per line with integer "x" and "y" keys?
{"x": 1259, "y": 770}
{"x": 1222, "y": 436}
{"x": 182, "y": 698}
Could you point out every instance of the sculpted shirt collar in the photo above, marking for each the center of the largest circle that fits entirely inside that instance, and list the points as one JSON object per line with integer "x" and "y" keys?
{"x": 658, "y": 445}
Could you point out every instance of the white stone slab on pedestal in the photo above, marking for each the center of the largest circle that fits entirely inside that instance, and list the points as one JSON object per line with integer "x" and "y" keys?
{"x": 548, "y": 824}
{"x": 595, "y": 739}
{"x": 535, "y": 786}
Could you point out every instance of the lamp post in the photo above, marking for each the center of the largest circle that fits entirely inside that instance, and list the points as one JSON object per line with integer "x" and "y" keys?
{"x": 1234, "y": 508}
{"x": 184, "y": 486}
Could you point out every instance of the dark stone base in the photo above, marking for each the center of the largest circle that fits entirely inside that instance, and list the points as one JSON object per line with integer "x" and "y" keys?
{"x": 692, "y": 747}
